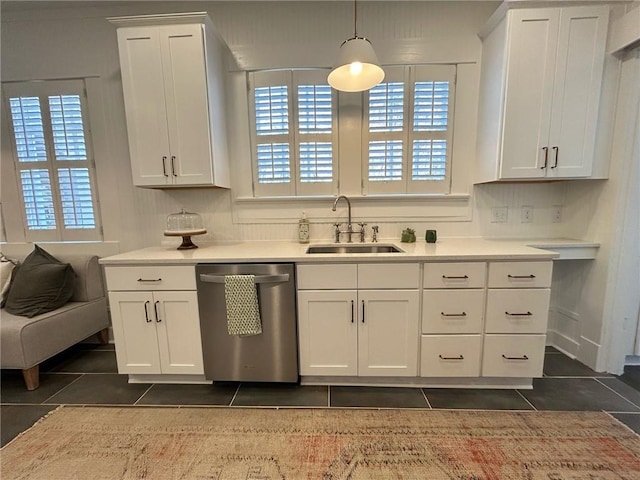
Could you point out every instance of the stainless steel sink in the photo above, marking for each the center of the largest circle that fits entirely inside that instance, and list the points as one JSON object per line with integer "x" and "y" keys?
{"x": 354, "y": 248}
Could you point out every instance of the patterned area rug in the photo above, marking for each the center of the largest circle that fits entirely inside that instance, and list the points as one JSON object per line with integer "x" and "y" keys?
{"x": 296, "y": 444}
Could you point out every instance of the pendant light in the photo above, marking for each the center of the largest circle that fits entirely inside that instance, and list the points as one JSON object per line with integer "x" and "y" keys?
{"x": 357, "y": 68}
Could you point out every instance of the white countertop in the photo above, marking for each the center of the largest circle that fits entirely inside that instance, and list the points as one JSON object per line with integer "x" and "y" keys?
{"x": 445, "y": 249}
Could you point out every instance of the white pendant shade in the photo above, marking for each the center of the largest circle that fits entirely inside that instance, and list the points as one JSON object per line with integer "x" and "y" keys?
{"x": 357, "y": 67}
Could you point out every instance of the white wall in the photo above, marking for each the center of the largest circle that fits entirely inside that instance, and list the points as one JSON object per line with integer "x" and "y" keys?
{"x": 78, "y": 42}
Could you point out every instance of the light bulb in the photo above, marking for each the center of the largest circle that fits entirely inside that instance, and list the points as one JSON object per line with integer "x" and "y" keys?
{"x": 355, "y": 68}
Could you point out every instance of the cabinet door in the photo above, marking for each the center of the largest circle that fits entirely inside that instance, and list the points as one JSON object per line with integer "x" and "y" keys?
{"x": 134, "y": 332}
{"x": 529, "y": 90}
{"x": 328, "y": 332}
{"x": 178, "y": 324}
{"x": 184, "y": 73}
{"x": 145, "y": 108}
{"x": 576, "y": 95}
{"x": 388, "y": 333}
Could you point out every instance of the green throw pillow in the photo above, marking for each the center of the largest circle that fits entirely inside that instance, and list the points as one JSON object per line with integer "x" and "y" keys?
{"x": 40, "y": 284}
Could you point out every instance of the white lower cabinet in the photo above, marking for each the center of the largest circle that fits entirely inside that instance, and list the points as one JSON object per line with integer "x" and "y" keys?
{"x": 453, "y": 304}
{"x": 517, "y": 356}
{"x": 328, "y": 332}
{"x": 451, "y": 355}
{"x": 516, "y": 319}
{"x": 156, "y": 332}
{"x": 155, "y": 318}
{"x": 358, "y": 332}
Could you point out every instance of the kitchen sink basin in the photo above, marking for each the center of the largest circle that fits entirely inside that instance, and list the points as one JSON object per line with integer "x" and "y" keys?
{"x": 354, "y": 248}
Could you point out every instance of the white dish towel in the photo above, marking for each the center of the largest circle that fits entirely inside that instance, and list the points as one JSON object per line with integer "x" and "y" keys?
{"x": 241, "y": 299}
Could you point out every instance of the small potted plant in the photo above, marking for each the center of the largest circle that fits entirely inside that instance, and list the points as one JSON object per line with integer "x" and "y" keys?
{"x": 408, "y": 235}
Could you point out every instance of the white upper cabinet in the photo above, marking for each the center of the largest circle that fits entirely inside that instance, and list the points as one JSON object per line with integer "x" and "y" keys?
{"x": 540, "y": 92}
{"x": 172, "y": 77}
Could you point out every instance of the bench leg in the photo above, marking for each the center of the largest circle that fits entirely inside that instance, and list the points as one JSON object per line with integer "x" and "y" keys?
{"x": 31, "y": 377}
{"x": 103, "y": 336}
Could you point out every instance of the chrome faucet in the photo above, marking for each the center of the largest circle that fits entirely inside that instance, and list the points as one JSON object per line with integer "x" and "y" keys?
{"x": 349, "y": 230}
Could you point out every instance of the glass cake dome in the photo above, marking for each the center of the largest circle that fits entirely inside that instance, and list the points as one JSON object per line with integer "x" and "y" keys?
{"x": 184, "y": 224}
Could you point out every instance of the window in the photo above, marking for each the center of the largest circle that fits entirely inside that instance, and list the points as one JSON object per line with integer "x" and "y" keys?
{"x": 407, "y": 131}
{"x": 53, "y": 158}
{"x": 294, "y": 133}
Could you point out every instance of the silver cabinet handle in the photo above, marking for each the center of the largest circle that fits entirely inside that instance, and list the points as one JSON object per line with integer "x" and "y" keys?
{"x": 463, "y": 314}
{"x": 146, "y": 312}
{"x": 555, "y": 163}
{"x": 173, "y": 166}
{"x": 459, "y": 357}
{"x": 462, "y": 277}
{"x": 521, "y": 276}
{"x": 149, "y": 280}
{"x": 546, "y": 158}
{"x": 164, "y": 166}
{"x": 523, "y": 357}
{"x": 155, "y": 309}
{"x": 284, "y": 277}
{"x": 528, "y": 314}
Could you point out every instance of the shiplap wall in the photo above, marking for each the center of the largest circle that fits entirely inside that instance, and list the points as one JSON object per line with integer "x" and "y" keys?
{"x": 77, "y": 42}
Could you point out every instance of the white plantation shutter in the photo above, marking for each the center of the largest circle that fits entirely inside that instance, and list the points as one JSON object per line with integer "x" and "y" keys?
{"x": 53, "y": 159}
{"x": 28, "y": 130}
{"x": 67, "y": 127}
{"x": 38, "y": 199}
{"x": 315, "y": 135}
{"x": 293, "y": 133}
{"x": 432, "y": 128}
{"x": 408, "y": 133}
{"x": 385, "y": 133}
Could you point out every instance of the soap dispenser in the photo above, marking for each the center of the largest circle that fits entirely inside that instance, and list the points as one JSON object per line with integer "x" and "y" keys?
{"x": 303, "y": 229}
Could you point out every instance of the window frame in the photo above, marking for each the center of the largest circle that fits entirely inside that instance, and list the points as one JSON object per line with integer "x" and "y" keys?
{"x": 43, "y": 89}
{"x": 295, "y": 187}
{"x": 410, "y": 75}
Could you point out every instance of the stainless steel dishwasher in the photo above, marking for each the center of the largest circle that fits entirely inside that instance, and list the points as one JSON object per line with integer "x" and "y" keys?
{"x": 271, "y": 356}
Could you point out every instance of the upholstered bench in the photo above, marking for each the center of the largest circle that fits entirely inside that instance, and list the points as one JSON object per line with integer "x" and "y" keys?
{"x": 26, "y": 342}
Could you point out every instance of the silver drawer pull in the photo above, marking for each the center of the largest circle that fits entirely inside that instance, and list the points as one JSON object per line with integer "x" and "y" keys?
{"x": 523, "y": 357}
{"x": 463, "y": 314}
{"x": 149, "y": 280}
{"x": 528, "y": 314}
{"x": 521, "y": 276}
{"x": 284, "y": 277}
{"x": 462, "y": 277}
{"x": 459, "y": 357}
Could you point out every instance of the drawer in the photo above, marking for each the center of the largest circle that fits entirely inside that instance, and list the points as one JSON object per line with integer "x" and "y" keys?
{"x": 452, "y": 311}
{"x": 327, "y": 277}
{"x": 520, "y": 274}
{"x": 517, "y": 310}
{"x": 454, "y": 275}
{"x": 450, "y": 356}
{"x": 389, "y": 275}
{"x": 152, "y": 277}
{"x": 517, "y": 356}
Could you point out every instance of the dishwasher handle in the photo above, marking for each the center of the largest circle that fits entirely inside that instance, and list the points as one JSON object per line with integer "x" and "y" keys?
{"x": 281, "y": 278}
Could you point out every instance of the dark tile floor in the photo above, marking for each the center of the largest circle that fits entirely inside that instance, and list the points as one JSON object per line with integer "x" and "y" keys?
{"x": 87, "y": 375}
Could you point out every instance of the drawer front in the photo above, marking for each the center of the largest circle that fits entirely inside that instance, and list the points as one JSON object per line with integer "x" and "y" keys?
{"x": 450, "y": 356}
{"x": 517, "y": 310}
{"x": 152, "y": 277}
{"x": 454, "y": 275}
{"x": 520, "y": 274}
{"x": 513, "y": 356}
{"x": 452, "y": 311}
{"x": 389, "y": 275}
{"x": 327, "y": 277}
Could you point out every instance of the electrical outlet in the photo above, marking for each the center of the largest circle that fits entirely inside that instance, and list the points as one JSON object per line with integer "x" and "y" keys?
{"x": 556, "y": 213}
{"x": 526, "y": 214}
{"x": 499, "y": 214}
